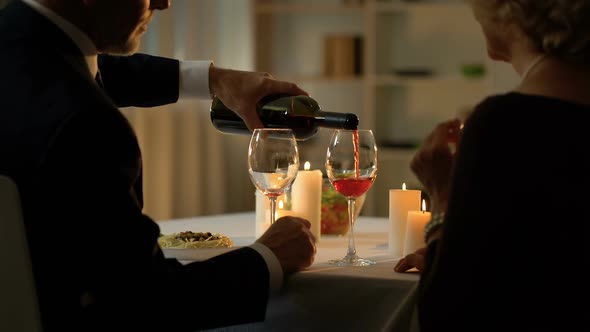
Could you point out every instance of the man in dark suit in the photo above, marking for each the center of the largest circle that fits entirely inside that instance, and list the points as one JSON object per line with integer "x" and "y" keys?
{"x": 77, "y": 164}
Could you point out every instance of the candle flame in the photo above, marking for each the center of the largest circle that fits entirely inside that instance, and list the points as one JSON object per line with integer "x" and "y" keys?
{"x": 423, "y": 205}
{"x": 404, "y": 186}
{"x": 281, "y": 204}
{"x": 307, "y": 166}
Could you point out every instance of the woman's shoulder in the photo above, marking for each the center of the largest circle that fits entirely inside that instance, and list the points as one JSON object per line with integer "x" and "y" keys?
{"x": 517, "y": 104}
{"x": 496, "y": 107}
{"x": 518, "y": 99}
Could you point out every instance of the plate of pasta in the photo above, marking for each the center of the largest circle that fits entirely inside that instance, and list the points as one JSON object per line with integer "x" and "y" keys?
{"x": 190, "y": 245}
{"x": 194, "y": 240}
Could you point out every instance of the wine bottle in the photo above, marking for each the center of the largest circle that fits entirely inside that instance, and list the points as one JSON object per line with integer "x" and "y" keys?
{"x": 302, "y": 114}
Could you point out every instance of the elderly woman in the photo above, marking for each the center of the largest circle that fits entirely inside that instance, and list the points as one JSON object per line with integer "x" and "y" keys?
{"x": 508, "y": 247}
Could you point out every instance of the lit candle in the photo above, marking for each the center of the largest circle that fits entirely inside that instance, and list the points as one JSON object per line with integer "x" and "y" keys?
{"x": 306, "y": 197}
{"x": 400, "y": 202}
{"x": 262, "y": 214}
{"x": 282, "y": 210}
{"x": 415, "y": 229}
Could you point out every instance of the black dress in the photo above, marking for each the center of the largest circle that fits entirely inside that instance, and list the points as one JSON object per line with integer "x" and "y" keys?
{"x": 514, "y": 254}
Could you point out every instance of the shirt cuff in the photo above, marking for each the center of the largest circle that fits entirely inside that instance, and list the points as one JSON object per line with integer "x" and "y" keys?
{"x": 194, "y": 79}
{"x": 275, "y": 271}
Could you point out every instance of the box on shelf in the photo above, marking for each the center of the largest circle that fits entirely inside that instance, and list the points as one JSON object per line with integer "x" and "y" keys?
{"x": 342, "y": 55}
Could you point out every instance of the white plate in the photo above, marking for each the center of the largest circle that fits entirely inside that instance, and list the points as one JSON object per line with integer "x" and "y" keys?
{"x": 201, "y": 254}
{"x": 195, "y": 254}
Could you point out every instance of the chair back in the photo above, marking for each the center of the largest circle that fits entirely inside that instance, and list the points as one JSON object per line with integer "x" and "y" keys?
{"x": 19, "y": 309}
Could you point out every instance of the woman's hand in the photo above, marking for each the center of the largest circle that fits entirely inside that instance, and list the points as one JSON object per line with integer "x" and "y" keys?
{"x": 434, "y": 161}
{"x": 241, "y": 91}
{"x": 413, "y": 260}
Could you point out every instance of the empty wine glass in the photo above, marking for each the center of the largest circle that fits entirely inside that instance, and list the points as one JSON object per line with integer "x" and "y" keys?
{"x": 351, "y": 164}
{"x": 273, "y": 162}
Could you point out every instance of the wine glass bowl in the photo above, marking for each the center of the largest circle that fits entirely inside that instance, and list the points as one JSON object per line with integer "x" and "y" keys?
{"x": 273, "y": 162}
{"x": 351, "y": 165}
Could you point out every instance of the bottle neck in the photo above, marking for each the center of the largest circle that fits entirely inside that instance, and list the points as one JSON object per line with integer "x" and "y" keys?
{"x": 335, "y": 120}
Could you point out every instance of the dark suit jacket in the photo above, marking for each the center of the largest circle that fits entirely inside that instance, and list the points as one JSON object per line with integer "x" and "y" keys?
{"x": 514, "y": 254}
{"x": 77, "y": 164}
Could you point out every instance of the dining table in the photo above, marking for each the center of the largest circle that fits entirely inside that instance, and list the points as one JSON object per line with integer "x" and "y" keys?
{"x": 323, "y": 297}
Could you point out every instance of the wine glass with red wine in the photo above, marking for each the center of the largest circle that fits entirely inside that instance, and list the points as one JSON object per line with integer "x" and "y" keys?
{"x": 351, "y": 164}
{"x": 273, "y": 162}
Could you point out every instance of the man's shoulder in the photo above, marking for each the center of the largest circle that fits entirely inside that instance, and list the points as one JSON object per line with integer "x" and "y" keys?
{"x": 38, "y": 83}
{"x": 42, "y": 94}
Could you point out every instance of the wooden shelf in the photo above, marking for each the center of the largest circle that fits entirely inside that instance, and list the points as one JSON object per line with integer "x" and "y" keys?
{"x": 307, "y": 9}
{"x": 323, "y": 79}
{"x": 385, "y": 80}
{"x": 295, "y": 8}
{"x": 401, "y": 154}
{"x": 290, "y": 43}
{"x": 394, "y": 7}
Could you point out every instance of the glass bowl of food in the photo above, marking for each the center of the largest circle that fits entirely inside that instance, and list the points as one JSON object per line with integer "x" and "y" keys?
{"x": 335, "y": 210}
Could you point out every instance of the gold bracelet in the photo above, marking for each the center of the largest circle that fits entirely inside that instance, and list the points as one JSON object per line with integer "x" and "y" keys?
{"x": 436, "y": 220}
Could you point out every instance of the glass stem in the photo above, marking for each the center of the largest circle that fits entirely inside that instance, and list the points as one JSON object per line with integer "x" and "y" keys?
{"x": 273, "y": 207}
{"x": 351, "y": 245}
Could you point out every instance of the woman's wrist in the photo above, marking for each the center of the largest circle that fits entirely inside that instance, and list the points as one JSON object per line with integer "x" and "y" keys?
{"x": 433, "y": 227}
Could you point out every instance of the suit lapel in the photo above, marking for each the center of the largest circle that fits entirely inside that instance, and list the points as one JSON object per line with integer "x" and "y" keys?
{"x": 36, "y": 28}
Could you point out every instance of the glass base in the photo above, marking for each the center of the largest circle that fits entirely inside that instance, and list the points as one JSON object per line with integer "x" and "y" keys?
{"x": 352, "y": 260}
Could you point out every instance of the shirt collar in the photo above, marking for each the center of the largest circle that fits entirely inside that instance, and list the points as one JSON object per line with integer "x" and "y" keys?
{"x": 78, "y": 36}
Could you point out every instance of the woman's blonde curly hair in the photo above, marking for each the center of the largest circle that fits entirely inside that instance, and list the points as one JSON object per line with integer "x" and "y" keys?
{"x": 558, "y": 27}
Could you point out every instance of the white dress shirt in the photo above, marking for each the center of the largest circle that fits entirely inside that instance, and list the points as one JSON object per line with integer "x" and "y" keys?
{"x": 194, "y": 83}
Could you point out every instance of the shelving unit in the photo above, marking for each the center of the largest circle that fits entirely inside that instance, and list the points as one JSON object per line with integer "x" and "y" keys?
{"x": 324, "y": 8}
{"x": 433, "y": 35}
{"x": 399, "y": 6}
{"x": 393, "y": 80}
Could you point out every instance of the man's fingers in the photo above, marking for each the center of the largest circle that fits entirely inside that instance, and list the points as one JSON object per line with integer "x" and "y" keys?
{"x": 251, "y": 119}
{"x": 298, "y": 91}
{"x": 305, "y": 222}
{"x": 288, "y": 88}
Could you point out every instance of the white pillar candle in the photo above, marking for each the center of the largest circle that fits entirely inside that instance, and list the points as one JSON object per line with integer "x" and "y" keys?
{"x": 262, "y": 214}
{"x": 306, "y": 197}
{"x": 282, "y": 210}
{"x": 400, "y": 202}
{"x": 415, "y": 229}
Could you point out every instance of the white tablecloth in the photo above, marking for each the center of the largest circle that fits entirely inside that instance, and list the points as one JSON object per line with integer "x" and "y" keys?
{"x": 323, "y": 297}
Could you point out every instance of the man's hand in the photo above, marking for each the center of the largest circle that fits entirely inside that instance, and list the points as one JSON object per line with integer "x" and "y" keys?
{"x": 241, "y": 91}
{"x": 413, "y": 260}
{"x": 291, "y": 241}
